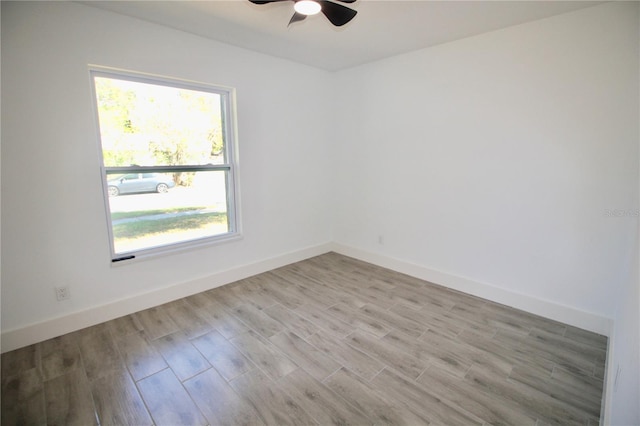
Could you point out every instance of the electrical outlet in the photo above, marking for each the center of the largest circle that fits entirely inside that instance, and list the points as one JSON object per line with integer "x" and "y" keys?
{"x": 63, "y": 293}
{"x": 380, "y": 239}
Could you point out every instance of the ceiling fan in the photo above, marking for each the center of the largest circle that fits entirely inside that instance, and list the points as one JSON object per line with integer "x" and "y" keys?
{"x": 336, "y": 13}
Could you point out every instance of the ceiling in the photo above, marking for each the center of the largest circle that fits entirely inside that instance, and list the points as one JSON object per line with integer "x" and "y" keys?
{"x": 380, "y": 30}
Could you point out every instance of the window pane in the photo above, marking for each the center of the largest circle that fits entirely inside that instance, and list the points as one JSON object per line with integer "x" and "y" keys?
{"x": 147, "y": 124}
{"x": 184, "y": 213}
{"x": 168, "y": 169}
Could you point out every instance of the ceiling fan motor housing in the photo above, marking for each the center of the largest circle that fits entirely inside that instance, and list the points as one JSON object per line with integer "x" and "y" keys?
{"x": 336, "y": 13}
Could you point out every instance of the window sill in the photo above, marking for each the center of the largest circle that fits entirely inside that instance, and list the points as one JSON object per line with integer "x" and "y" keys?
{"x": 173, "y": 249}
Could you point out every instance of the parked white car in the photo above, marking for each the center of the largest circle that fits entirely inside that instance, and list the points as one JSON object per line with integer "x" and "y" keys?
{"x": 140, "y": 182}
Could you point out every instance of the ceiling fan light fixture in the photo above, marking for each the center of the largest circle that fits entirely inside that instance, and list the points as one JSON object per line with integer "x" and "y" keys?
{"x": 307, "y": 7}
{"x": 336, "y": 13}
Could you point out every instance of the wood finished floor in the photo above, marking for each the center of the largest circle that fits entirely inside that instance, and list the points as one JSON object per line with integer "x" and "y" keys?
{"x": 330, "y": 340}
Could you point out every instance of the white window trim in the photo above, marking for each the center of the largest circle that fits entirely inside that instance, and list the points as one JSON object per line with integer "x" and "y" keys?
{"x": 229, "y": 114}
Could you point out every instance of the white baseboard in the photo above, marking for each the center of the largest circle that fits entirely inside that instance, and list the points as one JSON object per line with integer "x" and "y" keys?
{"x": 545, "y": 308}
{"x": 33, "y": 333}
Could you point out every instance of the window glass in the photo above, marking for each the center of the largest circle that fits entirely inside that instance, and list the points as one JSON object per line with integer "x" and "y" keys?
{"x": 167, "y": 162}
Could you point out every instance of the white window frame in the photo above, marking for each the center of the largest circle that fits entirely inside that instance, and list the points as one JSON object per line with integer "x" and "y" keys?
{"x": 228, "y": 112}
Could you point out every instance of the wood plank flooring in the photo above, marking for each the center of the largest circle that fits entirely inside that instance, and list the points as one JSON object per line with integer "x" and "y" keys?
{"x": 330, "y": 340}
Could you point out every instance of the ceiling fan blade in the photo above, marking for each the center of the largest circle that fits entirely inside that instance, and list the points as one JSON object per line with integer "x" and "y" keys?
{"x": 296, "y": 17}
{"x": 336, "y": 13}
{"x": 265, "y": 1}
{"x": 346, "y": 1}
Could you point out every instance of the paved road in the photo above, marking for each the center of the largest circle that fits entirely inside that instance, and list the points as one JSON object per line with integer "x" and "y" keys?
{"x": 175, "y": 198}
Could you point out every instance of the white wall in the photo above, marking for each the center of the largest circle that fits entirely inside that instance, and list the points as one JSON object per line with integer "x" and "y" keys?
{"x": 53, "y": 217}
{"x": 494, "y": 158}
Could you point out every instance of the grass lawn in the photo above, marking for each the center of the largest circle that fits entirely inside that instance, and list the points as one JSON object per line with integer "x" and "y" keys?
{"x": 143, "y": 228}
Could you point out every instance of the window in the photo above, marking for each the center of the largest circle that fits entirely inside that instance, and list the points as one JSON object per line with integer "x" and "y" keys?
{"x": 168, "y": 162}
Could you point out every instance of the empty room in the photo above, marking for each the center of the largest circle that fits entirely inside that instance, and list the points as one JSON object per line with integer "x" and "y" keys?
{"x": 275, "y": 212}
